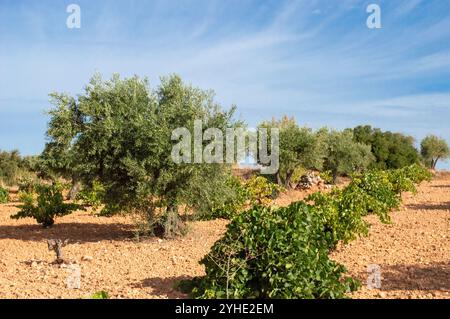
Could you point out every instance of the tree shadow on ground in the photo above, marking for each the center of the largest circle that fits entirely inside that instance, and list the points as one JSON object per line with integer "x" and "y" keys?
{"x": 164, "y": 287}
{"x": 441, "y": 186}
{"x": 425, "y": 206}
{"x": 75, "y": 232}
{"x": 415, "y": 277}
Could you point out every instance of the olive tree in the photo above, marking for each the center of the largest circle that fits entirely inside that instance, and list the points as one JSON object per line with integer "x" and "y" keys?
{"x": 59, "y": 158}
{"x": 391, "y": 150}
{"x": 119, "y": 133}
{"x": 344, "y": 155}
{"x": 434, "y": 149}
{"x": 300, "y": 147}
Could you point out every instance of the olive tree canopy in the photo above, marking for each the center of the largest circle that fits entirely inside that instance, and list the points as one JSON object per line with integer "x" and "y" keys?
{"x": 118, "y": 132}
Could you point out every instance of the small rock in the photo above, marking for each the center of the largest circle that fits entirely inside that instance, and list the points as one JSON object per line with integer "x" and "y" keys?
{"x": 382, "y": 294}
{"x": 87, "y": 258}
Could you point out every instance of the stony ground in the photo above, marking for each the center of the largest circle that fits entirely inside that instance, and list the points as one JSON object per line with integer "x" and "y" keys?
{"x": 413, "y": 253}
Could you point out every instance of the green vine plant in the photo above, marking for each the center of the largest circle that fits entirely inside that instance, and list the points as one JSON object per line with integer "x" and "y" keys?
{"x": 45, "y": 204}
{"x": 4, "y": 195}
{"x": 284, "y": 252}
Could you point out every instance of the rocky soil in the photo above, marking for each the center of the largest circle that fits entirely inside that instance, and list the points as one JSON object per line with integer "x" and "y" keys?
{"x": 412, "y": 253}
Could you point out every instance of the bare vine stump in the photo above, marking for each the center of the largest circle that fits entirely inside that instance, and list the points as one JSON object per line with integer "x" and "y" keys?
{"x": 56, "y": 245}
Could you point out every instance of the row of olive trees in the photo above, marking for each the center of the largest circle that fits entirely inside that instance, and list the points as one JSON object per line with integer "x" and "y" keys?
{"x": 14, "y": 167}
{"x": 396, "y": 150}
{"x": 10, "y": 166}
{"x": 349, "y": 151}
{"x": 325, "y": 149}
{"x": 118, "y": 134}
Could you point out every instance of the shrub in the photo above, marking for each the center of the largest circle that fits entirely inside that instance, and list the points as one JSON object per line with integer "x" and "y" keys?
{"x": 327, "y": 177}
{"x": 109, "y": 210}
{"x": 376, "y": 192}
{"x": 401, "y": 182}
{"x": 342, "y": 209}
{"x": 27, "y": 185}
{"x": 92, "y": 196}
{"x": 14, "y": 167}
{"x": 44, "y": 205}
{"x": 406, "y": 179}
{"x": 283, "y": 253}
{"x": 341, "y": 214}
{"x": 10, "y": 167}
{"x": 417, "y": 173}
{"x": 261, "y": 191}
{"x": 234, "y": 204}
{"x": 273, "y": 254}
{"x": 258, "y": 190}
{"x": 4, "y": 196}
{"x": 100, "y": 295}
{"x": 379, "y": 192}
{"x": 297, "y": 175}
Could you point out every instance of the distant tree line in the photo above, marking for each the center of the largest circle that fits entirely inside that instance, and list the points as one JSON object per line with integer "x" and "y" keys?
{"x": 14, "y": 167}
{"x": 349, "y": 151}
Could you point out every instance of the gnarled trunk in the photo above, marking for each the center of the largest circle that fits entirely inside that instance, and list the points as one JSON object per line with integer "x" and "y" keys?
{"x": 75, "y": 188}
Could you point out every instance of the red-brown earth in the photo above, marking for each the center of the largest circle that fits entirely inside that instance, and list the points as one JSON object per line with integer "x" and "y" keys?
{"x": 413, "y": 253}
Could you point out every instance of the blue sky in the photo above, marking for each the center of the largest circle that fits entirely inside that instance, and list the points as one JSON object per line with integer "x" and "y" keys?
{"x": 315, "y": 60}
